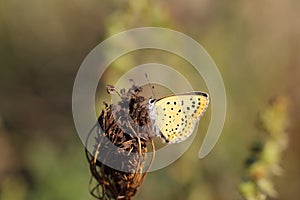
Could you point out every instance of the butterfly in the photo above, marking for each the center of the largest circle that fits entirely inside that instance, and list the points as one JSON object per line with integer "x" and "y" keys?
{"x": 174, "y": 117}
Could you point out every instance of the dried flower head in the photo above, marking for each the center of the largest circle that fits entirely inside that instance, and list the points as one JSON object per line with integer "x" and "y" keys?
{"x": 121, "y": 170}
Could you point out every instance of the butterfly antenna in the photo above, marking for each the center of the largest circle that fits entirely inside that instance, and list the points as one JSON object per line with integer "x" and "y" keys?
{"x": 151, "y": 87}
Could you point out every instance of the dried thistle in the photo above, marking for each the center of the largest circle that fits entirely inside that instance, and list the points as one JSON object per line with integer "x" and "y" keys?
{"x": 264, "y": 160}
{"x": 127, "y": 126}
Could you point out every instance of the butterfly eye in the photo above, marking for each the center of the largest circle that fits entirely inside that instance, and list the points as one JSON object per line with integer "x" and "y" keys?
{"x": 151, "y": 101}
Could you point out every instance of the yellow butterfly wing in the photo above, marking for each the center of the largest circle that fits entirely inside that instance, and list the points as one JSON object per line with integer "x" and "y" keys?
{"x": 176, "y": 116}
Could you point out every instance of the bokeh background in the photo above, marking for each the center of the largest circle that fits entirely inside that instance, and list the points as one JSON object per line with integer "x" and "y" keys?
{"x": 255, "y": 44}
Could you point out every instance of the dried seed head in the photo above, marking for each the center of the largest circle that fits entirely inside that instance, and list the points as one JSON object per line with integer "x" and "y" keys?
{"x": 126, "y": 125}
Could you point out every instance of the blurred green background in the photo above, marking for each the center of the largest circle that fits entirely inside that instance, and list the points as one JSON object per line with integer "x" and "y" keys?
{"x": 255, "y": 44}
